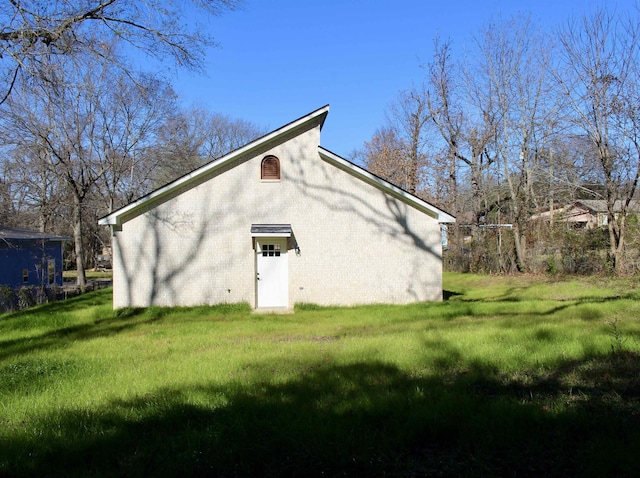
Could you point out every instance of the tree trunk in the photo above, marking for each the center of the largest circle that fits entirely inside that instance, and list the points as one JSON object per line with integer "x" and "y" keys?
{"x": 616, "y": 228}
{"x": 476, "y": 197}
{"x": 455, "y": 209}
{"x": 520, "y": 248}
{"x": 77, "y": 238}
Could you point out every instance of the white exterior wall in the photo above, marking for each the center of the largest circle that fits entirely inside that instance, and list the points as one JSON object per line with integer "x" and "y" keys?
{"x": 357, "y": 244}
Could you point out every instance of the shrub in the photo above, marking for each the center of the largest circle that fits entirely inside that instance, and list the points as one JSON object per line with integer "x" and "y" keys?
{"x": 585, "y": 252}
{"x": 8, "y": 299}
{"x": 27, "y": 297}
{"x": 551, "y": 265}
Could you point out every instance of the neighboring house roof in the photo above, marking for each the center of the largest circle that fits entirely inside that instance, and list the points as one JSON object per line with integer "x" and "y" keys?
{"x": 14, "y": 234}
{"x": 600, "y": 205}
{"x": 318, "y": 117}
{"x": 594, "y": 206}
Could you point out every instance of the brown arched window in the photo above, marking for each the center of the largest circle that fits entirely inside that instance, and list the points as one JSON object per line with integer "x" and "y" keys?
{"x": 270, "y": 168}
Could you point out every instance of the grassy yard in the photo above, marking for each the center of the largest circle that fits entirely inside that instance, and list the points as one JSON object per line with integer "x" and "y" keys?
{"x": 507, "y": 377}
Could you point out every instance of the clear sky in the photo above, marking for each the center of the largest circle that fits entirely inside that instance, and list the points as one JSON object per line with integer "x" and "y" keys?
{"x": 278, "y": 60}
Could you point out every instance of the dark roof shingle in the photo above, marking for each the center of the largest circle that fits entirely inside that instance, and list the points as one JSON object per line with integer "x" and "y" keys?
{"x": 14, "y": 234}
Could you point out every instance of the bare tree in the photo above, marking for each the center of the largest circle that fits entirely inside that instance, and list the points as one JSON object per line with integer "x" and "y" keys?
{"x": 129, "y": 117}
{"x": 400, "y": 151}
{"x": 571, "y": 162}
{"x": 223, "y": 133}
{"x": 37, "y": 194}
{"x": 33, "y": 29}
{"x": 6, "y": 203}
{"x": 446, "y": 113}
{"x": 190, "y": 138}
{"x": 513, "y": 60}
{"x": 465, "y": 118}
{"x": 598, "y": 75}
{"x": 67, "y": 134}
{"x": 385, "y": 156}
{"x": 409, "y": 116}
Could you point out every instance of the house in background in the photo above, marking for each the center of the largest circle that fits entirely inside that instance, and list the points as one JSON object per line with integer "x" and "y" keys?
{"x": 279, "y": 221}
{"x": 30, "y": 258}
{"x": 585, "y": 213}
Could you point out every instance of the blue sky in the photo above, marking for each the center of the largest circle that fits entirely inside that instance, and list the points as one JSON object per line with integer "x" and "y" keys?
{"x": 278, "y": 60}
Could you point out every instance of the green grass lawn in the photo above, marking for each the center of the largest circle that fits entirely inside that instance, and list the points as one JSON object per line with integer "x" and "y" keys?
{"x": 509, "y": 376}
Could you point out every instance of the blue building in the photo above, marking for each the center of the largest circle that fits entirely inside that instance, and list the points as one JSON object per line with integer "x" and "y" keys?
{"x": 30, "y": 258}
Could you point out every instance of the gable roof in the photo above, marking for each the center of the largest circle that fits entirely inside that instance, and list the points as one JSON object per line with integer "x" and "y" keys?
{"x": 316, "y": 117}
{"x": 14, "y": 234}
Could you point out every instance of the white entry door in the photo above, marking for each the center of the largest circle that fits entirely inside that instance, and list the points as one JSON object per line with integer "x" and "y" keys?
{"x": 272, "y": 272}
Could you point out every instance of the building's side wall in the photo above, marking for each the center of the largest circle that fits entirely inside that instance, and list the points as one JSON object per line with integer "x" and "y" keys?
{"x": 361, "y": 246}
{"x": 357, "y": 245}
{"x": 32, "y": 257}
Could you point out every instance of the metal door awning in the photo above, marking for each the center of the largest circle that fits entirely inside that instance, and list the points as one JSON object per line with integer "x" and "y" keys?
{"x": 271, "y": 230}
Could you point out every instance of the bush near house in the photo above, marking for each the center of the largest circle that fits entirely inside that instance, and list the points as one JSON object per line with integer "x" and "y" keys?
{"x": 23, "y": 297}
{"x": 509, "y": 376}
{"x": 13, "y": 299}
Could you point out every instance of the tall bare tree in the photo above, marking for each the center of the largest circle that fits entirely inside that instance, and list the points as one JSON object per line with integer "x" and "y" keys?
{"x": 465, "y": 118}
{"x": 409, "y": 116}
{"x": 400, "y": 151}
{"x": 37, "y": 194}
{"x": 30, "y": 30}
{"x": 446, "y": 113}
{"x": 598, "y": 73}
{"x": 6, "y": 202}
{"x": 192, "y": 137}
{"x": 51, "y": 54}
{"x": 513, "y": 59}
{"x": 129, "y": 117}
{"x": 79, "y": 135}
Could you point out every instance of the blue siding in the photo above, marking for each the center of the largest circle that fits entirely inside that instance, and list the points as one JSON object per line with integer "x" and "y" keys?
{"x": 32, "y": 256}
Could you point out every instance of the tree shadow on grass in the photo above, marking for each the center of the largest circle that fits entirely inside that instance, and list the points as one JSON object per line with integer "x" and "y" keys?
{"x": 363, "y": 419}
{"x": 61, "y": 337}
{"x": 112, "y": 323}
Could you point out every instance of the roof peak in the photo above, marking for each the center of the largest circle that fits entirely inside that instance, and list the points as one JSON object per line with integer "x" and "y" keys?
{"x": 116, "y": 217}
{"x": 314, "y": 119}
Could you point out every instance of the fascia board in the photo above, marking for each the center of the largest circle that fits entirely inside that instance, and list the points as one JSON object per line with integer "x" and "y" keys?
{"x": 386, "y": 186}
{"x": 271, "y": 230}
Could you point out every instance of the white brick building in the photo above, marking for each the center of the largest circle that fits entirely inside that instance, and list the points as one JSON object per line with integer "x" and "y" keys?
{"x": 277, "y": 222}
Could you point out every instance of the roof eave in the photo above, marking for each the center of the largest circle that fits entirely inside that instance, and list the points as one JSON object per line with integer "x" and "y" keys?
{"x": 15, "y": 234}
